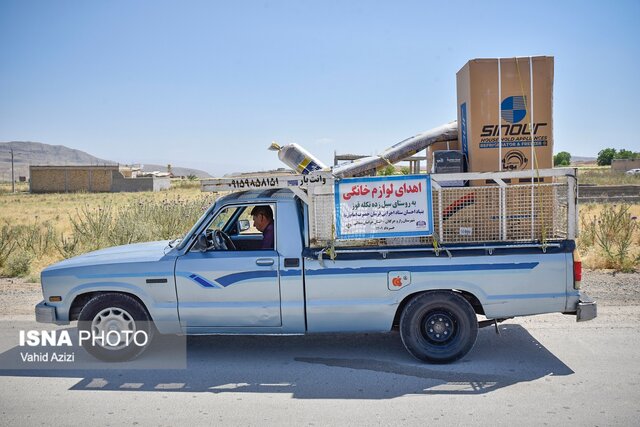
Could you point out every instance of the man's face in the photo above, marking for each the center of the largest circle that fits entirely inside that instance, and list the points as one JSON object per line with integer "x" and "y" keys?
{"x": 260, "y": 222}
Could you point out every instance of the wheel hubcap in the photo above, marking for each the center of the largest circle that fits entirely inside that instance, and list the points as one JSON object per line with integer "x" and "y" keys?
{"x": 112, "y": 328}
{"x": 438, "y": 327}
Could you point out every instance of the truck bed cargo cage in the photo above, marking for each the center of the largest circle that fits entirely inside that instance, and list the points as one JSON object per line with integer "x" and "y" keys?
{"x": 498, "y": 207}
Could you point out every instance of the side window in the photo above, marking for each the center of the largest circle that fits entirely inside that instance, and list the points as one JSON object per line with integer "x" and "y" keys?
{"x": 222, "y": 219}
{"x": 240, "y": 227}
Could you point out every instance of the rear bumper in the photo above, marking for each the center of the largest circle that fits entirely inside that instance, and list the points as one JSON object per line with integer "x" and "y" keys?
{"x": 47, "y": 314}
{"x": 587, "y": 308}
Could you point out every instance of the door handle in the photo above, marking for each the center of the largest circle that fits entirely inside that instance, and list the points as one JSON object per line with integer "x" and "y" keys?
{"x": 264, "y": 261}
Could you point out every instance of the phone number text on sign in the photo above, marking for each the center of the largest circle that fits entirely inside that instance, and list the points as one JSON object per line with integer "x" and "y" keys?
{"x": 378, "y": 207}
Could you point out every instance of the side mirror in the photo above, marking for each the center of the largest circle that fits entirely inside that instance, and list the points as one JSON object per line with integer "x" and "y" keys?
{"x": 243, "y": 225}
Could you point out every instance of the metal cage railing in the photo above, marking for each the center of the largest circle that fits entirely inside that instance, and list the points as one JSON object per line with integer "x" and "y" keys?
{"x": 509, "y": 207}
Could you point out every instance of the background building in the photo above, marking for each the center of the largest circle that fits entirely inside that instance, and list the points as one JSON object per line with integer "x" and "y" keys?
{"x": 92, "y": 179}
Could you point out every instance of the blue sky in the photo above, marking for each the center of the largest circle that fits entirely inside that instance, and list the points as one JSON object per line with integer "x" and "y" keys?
{"x": 209, "y": 84}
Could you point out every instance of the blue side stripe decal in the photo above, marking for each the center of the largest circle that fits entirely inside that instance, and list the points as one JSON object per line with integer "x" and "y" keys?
{"x": 230, "y": 279}
{"x": 426, "y": 269}
{"x": 245, "y": 275}
{"x": 201, "y": 281}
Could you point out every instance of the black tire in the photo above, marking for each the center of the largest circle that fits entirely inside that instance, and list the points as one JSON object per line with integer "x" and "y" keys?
{"x": 438, "y": 327}
{"x": 124, "y": 313}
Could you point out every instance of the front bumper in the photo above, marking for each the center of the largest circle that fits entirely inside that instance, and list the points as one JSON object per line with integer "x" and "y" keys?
{"x": 587, "y": 308}
{"x": 47, "y": 314}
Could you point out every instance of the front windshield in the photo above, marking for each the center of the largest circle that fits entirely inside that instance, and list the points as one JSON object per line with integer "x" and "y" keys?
{"x": 195, "y": 227}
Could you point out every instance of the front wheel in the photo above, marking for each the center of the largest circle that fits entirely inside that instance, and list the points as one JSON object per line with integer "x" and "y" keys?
{"x": 114, "y": 327}
{"x": 438, "y": 327}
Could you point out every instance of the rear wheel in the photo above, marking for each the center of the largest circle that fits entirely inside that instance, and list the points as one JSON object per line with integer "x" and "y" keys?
{"x": 438, "y": 327}
{"x": 115, "y": 327}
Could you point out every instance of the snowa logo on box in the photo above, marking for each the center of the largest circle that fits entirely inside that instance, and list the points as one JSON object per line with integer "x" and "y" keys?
{"x": 513, "y": 109}
{"x": 513, "y": 134}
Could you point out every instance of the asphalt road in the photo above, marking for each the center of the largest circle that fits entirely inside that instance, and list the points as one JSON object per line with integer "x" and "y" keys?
{"x": 542, "y": 370}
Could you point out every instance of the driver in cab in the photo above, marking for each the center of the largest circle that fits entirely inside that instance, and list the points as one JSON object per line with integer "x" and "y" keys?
{"x": 263, "y": 222}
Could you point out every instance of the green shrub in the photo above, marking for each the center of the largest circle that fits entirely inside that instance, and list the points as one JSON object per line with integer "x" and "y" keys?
{"x": 8, "y": 242}
{"x": 18, "y": 264}
{"x": 613, "y": 232}
{"x": 387, "y": 171}
{"x": 68, "y": 247}
{"x": 36, "y": 239}
{"x": 139, "y": 221}
{"x": 92, "y": 226}
{"x": 588, "y": 224}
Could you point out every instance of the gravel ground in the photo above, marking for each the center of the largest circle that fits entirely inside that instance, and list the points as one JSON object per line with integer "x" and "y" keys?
{"x": 18, "y": 297}
{"x": 610, "y": 288}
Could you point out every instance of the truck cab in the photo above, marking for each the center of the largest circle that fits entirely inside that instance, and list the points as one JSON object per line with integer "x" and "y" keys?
{"x": 226, "y": 283}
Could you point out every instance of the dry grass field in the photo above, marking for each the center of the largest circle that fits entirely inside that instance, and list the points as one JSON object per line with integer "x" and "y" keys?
{"x": 23, "y": 208}
{"x": 603, "y": 175}
{"x": 39, "y": 229}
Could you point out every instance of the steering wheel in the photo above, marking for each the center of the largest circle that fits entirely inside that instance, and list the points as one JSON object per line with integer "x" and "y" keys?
{"x": 221, "y": 241}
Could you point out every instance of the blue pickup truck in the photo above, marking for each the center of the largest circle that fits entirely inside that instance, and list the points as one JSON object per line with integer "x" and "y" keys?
{"x": 218, "y": 280}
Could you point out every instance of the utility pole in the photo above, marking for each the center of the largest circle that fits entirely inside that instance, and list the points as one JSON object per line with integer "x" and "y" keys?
{"x": 13, "y": 181}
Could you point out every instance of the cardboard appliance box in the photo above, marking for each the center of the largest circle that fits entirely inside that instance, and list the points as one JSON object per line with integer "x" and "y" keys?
{"x": 497, "y": 114}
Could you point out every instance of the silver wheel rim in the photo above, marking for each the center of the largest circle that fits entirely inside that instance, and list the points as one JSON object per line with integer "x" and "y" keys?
{"x": 112, "y": 320}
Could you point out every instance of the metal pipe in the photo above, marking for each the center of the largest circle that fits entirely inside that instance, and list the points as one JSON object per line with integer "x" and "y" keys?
{"x": 399, "y": 151}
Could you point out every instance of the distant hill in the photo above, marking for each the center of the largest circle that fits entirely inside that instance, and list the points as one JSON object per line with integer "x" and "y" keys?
{"x": 581, "y": 159}
{"x": 28, "y": 153}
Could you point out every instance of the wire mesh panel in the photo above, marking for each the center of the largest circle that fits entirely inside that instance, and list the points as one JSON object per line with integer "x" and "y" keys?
{"x": 322, "y": 211}
{"x": 527, "y": 212}
{"x": 561, "y": 211}
{"x": 467, "y": 214}
{"x": 531, "y": 212}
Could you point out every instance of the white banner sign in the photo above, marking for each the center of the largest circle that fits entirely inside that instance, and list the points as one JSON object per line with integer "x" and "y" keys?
{"x": 376, "y": 207}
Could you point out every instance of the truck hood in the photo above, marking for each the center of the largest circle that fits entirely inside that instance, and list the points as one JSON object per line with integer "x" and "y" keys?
{"x": 133, "y": 253}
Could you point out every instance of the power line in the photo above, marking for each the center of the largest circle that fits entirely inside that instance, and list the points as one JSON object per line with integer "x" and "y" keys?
{"x": 13, "y": 181}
